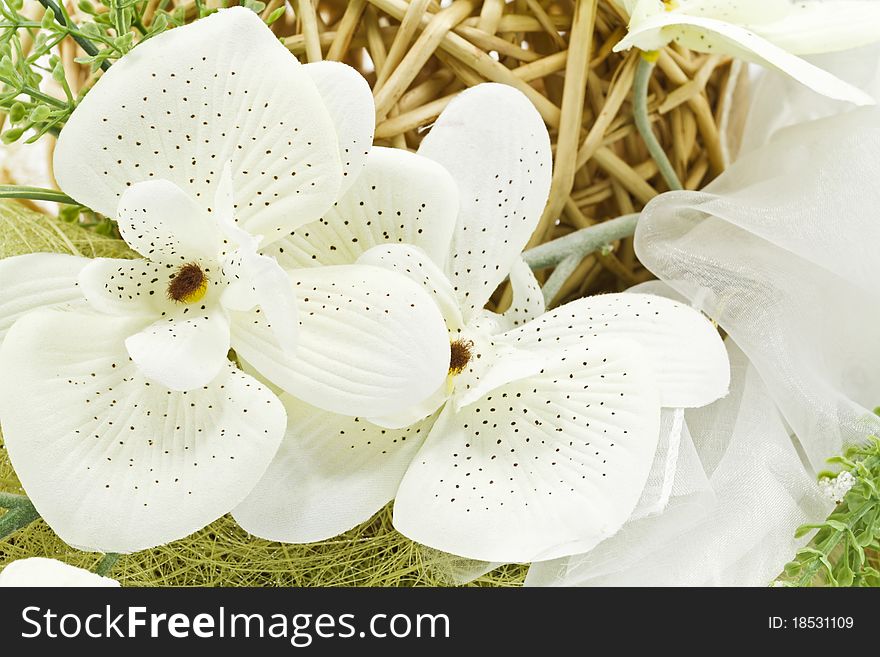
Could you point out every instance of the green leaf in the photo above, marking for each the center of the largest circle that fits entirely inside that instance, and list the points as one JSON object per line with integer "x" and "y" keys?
{"x": 48, "y": 19}
{"x": 836, "y": 525}
{"x": 803, "y": 530}
{"x": 39, "y": 114}
{"x": 792, "y": 568}
{"x": 91, "y": 29}
{"x": 275, "y": 15}
{"x": 12, "y": 135}
{"x": 58, "y": 72}
{"x": 6, "y": 67}
{"x": 254, "y": 5}
{"x": 812, "y": 551}
{"x": 17, "y": 112}
{"x": 160, "y": 24}
{"x": 844, "y": 575}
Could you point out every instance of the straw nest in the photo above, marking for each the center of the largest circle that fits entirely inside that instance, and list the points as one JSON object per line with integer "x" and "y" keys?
{"x": 417, "y": 56}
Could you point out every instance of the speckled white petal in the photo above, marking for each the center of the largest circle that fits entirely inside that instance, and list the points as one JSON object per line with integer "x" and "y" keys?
{"x": 252, "y": 279}
{"x": 543, "y": 467}
{"x": 683, "y": 346}
{"x": 417, "y": 266}
{"x": 182, "y": 352}
{"x": 116, "y": 286}
{"x": 710, "y": 35}
{"x": 41, "y": 572}
{"x": 371, "y": 342}
{"x": 399, "y": 197}
{"x": 112, "y": 461}
{"x": 164, "y": 224}
{"x": 495, "y": 144}
{"x": 493, "y": 365}
{"x": 416, "y": 412}
{"x": 349, "y": 101}
{"x": 527, "y": 302}
{"x": 817, "y": 27}
{"x": 184, "y": 103}
{"x": 258, "y": 281}
{"x": 37, "y": 280}
{"x": 331, "y": 473}
{"x": 743, "y": 12}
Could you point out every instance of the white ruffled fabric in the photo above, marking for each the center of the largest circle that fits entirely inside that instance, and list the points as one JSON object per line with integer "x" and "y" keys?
{"x": 778, "y": 250}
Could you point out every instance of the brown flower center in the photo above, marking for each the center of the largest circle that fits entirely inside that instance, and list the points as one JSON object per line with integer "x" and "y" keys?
{"x": 189, "y": 284}
{"x": 460, "y": 355}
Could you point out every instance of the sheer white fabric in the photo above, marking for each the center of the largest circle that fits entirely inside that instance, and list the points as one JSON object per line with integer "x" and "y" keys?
{"x": 780, "y": 250}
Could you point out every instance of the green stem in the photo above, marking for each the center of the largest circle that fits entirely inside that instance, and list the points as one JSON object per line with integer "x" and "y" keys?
{"x": 581, "y": 243}
{"x": 106, "y": 564}
{"x": 36, "y": 94}
{"x": 13, "y": 501}
{"x": 643, "y": 123}
{"x": 35, "y": 194}
{"x": 84, "y": 43}
{"x": 17, "y": 517}
{"x": 557, "y": 279}
{"x": 136, "y": 21}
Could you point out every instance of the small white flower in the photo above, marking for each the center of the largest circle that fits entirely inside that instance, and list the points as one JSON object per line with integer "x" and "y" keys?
{"x": 836, "y": 488}
{"x": 768, "y": 32}
{"x": 540, "y": 442}
{"x": 124, "y": 419}
{"x": 41, "y": 572}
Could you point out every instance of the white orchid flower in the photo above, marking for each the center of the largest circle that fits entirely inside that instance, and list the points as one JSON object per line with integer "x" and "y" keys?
{"x": 42, "y": 572}
{"x": 124, "y": 419}
{"x": 772, "y": 33}
{"x": 540, "y": 441}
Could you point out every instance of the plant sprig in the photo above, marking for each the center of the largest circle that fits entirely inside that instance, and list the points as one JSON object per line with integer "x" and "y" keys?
{"x": 105, "y": 30}
{"x": 29, "y": 57}
{"x": 844, "y": 550}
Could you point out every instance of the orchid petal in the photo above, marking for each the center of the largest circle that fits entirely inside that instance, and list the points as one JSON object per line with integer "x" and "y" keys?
{"x": 258, "y": 281}
{"x": 527, "y": 302}
{"x": 183, "y": 352}
{"x": 543, "y": 467}
{"x": 399, "y": 197}
{"x": 116, "y": 286}
{"x": 371, "y": 342}
{"x": 684, "y": 348}
{"x": 818, "y": 27}
{"x": 416, "y": 265}
{"x": 349, "y": 101}
{"x": 164, "y": 224}
{"x": 118, "y": 463}
{"x": 742, "y": 12}
{"x": 495, "y": 144}
{"x": 185, "y": 102}
{"x": 41, "y": 572}
{"x": 710, "y": 35}
{"x": 331, "y": 473}
{"x": 37, "y": 280}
